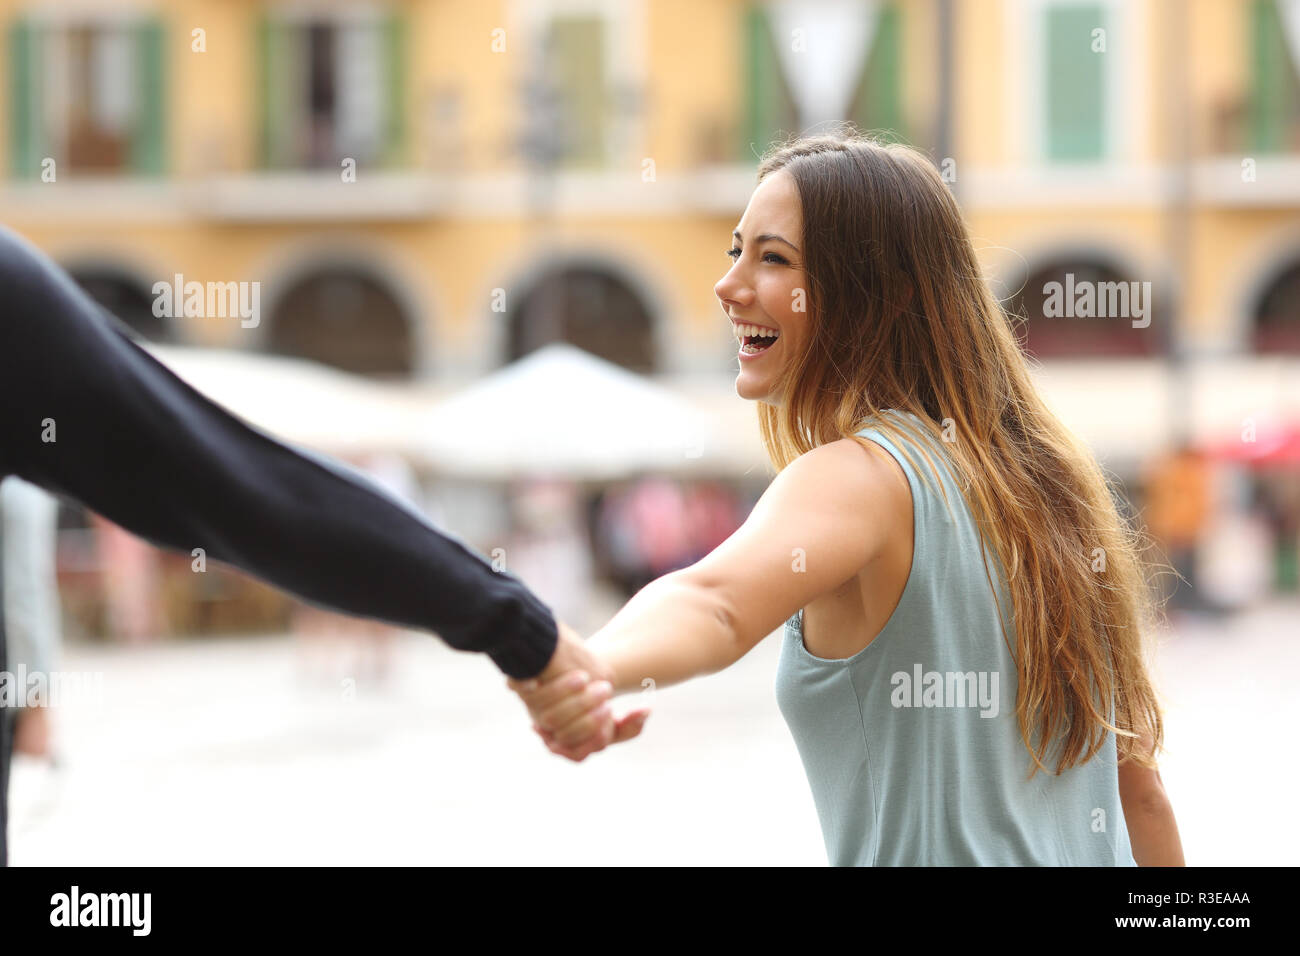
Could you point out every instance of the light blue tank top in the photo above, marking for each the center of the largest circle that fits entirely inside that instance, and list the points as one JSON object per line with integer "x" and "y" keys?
{"x": 912, "y": 748}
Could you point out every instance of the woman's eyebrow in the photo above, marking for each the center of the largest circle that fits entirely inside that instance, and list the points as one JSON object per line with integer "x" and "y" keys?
{"x": 765, "y": 236}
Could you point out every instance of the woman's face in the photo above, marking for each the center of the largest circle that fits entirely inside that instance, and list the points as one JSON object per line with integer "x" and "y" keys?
{"x": 765, "y": 286}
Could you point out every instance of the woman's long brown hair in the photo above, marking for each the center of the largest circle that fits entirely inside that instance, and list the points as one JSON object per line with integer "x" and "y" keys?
{"x": 902, "y": 317}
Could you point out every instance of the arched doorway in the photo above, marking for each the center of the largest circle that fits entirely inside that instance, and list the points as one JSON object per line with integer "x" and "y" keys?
{"x": 1275, "y": 321}
{"x": 588, "y": 307}
{"x": 1085, "y": 306}
{"x": 126, "y": 298}
{"x": 346, "y": 318}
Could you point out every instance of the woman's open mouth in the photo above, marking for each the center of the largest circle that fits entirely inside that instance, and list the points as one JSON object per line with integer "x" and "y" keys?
{"x": 755, "y": 339}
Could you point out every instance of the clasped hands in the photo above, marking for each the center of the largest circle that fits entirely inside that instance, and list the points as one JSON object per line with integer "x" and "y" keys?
{"x": 568, "y": 702}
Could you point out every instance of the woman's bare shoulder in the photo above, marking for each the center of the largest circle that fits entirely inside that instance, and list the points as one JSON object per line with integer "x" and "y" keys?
{"x": 860, "y": 463}
{"x": 856, "y": 475}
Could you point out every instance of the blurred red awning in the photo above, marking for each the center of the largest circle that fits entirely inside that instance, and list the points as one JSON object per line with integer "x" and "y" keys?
{"x": 1272, "y": 444}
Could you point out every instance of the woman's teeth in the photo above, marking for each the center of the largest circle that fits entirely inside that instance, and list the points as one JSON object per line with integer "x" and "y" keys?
{"x": 744, "y": 331}
{"x": 756, "y": 338}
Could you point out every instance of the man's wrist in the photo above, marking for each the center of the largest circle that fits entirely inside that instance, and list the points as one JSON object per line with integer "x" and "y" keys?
{"x": 529, "y": 652}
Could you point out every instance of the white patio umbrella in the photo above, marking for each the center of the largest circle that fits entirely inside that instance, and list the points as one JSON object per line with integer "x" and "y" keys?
{"x": 561, "y": 411}
{"x": 304, "y": 402}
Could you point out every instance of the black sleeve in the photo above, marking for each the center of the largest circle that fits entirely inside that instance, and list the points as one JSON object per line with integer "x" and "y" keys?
{"x": 135, "y": 443}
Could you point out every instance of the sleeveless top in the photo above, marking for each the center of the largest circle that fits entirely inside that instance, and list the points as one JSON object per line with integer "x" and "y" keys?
{"x": 911, "y": 746}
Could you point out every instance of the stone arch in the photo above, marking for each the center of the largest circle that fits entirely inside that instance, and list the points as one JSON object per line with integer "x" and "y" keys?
{"x": 351, "y": 308}
{"x": 1028, "y": 290}
{"x": 1275, "y": 314}
{"x": 585, "y": 278}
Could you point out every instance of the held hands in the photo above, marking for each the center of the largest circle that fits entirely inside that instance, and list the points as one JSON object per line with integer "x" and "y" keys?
{"x": 568, "y": 702}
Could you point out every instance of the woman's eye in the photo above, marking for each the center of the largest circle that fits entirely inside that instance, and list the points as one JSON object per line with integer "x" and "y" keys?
{"x": 735, "y": 254}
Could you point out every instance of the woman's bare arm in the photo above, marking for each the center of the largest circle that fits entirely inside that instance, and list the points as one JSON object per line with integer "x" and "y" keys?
{"x": 820, "y": 522}
{"x": 1152, "y": 830}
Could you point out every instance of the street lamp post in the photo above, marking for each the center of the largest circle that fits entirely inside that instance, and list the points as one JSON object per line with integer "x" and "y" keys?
{"x": 542, "y": 146}
{"x": 1178, "y": 220}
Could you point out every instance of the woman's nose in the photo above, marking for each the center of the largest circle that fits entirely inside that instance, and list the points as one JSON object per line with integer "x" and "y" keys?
{"x": 729, "y": 288}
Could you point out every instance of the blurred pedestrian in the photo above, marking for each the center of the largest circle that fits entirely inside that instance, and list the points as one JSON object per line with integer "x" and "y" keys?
{"x": 132, "y": 576}
{"x": 549, "y": 547}
{"x": 1177, "y": 508}
{"x": 28, "y": 536}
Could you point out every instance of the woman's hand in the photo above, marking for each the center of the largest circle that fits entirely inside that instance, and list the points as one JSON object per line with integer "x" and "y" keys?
{"x": 571, "y": 714}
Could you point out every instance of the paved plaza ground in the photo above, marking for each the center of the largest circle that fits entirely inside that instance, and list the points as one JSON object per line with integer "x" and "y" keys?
{"x": 220, "y": 752}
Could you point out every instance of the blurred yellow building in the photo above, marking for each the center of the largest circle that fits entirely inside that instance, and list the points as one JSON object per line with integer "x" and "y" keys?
{"x": 429, "y": 189}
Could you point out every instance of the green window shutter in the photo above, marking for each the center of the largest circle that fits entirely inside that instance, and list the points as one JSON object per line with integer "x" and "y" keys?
{"x": 395, "y": 39}
{"x": 1075, "y": 83}
{"x": 276, "y": 87}
{"x": 148, "y": 145}
{"x": 262, "y": 46}
{"x": 577, "y": 62}
{"x": 1275, "y": 86}
{"x": 878, "y": 105}
{"x": 26, "y": 144}
{"x": 265, "y": 107}
{"x": 769, "y": 107}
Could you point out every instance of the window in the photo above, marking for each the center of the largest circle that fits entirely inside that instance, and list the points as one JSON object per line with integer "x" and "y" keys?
{"x": 1075, "y": 94}
{"x": 1275, "y": 77}
{"x": 871, "y": 82}
{"x": 580, "y": 83}
{"x": 87, "y": 94}
{"x": 332, "y": 88}
{"x": 575, "y": 64}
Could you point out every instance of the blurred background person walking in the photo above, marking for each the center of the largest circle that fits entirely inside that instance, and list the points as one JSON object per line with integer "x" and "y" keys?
{"x": 29, "y": 532}
{"x": 1177, "y": 489}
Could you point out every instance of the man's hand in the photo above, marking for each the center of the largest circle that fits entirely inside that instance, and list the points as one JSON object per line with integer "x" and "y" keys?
{"x": 567, "y": 701}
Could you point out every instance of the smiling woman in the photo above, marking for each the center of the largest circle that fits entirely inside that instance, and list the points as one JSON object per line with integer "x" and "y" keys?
{"x": 764, "y": 291}
{"x": 932, "y": 527}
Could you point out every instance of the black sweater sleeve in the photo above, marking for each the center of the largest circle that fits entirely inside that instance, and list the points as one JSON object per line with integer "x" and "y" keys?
{"x": 87, "y": 413}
